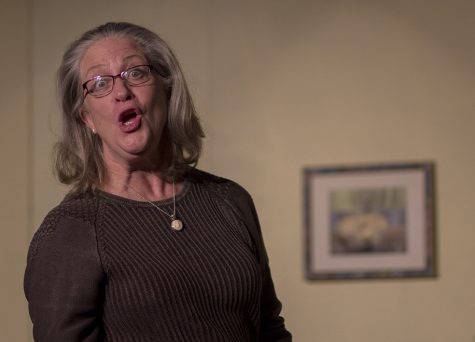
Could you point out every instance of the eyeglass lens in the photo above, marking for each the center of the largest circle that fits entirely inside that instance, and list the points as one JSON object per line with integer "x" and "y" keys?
{"x": 103, "y": 85}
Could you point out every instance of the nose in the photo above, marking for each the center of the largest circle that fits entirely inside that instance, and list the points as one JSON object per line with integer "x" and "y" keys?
{"x": 122, "y": 91}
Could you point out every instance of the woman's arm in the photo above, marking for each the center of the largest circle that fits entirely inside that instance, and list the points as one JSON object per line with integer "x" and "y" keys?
{"x": 272, "y": 327}
{"x": 64, "y": 282}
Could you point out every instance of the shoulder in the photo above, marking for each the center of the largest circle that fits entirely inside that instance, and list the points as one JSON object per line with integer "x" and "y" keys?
{"x": 80, "y": 206}
{"x": 64, "y": 274}
{"x": 228, "y": 190}
{"x": 76, "y": 214}
{"x": 236, "y": 199}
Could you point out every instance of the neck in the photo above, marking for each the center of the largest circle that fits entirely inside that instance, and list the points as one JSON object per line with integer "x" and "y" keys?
{"x": 150, "y": 185}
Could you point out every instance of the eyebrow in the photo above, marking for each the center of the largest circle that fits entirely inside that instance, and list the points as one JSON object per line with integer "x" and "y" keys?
{"x": 98, "y": 66}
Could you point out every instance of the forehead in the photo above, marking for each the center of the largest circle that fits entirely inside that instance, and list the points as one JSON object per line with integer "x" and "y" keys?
{"x": 110, "y": 55}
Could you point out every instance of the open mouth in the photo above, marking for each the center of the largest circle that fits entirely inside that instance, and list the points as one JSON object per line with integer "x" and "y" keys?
{"x": 129, "y": 120}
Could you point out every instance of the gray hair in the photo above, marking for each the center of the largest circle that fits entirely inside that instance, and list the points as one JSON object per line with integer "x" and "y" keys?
{"x": 78, "y": 159}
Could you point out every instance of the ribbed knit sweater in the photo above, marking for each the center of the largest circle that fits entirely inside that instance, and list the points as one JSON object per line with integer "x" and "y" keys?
{"x": 106, "y": 268}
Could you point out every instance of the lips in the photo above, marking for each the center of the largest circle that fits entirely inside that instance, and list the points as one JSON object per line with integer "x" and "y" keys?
{"x": 130, "y": 120}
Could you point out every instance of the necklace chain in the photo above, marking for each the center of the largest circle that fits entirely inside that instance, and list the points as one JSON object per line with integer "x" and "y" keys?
{"x": 176, "y": 224}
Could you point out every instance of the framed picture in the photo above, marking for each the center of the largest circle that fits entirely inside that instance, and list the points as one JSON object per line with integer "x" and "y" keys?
{"x": 369, "y": 221}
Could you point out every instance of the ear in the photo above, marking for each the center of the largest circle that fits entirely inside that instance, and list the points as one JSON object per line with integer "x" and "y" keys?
{"x": 86, "y": 117}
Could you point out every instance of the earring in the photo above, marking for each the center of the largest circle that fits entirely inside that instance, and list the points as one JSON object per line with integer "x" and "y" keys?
{"x": 94, "y": 131}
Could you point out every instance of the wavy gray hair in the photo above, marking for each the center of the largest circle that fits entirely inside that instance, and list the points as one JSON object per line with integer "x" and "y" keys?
{"x": 78, "y": 159}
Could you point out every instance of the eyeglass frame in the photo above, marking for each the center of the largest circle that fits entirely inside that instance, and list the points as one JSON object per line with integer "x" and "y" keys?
{"x": 119, "y": 75}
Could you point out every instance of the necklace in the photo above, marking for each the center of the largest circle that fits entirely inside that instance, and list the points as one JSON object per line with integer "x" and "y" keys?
{"x": 176, "y": 224}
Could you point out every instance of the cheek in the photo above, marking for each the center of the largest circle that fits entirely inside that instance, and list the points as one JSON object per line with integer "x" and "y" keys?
{"x": 160, "y": 108}
{"x": 98, "y": 113}
{"x": 86, "y": 117}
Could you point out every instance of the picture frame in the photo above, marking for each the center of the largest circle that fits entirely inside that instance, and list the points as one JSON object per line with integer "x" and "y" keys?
{"x": 369, "y": 221}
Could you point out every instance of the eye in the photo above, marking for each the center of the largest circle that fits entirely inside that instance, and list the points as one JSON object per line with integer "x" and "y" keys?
{"x": 100, "y": 83}
{"x": 136, "y": 74}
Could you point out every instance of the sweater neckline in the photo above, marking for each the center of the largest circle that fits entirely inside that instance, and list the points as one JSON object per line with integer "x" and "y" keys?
{"x": 127, "y": 201}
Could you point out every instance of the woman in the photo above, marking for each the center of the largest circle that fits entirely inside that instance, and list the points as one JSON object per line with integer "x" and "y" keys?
{"x": 144, "y": 247}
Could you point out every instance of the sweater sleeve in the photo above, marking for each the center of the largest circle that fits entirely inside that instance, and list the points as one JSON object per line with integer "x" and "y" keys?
{"x": 272, "y": 327}
{"x": 63, "y": 282}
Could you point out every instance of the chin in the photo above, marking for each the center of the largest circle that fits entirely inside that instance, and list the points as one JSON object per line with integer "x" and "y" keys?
{"x": 136, "y": 150}
{"x": 141, "y": 149}
{"x": 141, "y": 144}
{"x": 135, "y": 143}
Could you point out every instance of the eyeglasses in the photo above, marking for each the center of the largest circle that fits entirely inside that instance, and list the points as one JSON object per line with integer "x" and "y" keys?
{"x": 102, "y": 85}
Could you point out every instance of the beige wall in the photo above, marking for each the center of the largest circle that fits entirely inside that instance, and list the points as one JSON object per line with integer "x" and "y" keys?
{"x": 281, "y": 85}
{"x": 15, "y": 166}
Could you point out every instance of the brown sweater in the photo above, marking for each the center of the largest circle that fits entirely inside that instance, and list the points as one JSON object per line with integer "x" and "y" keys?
{"x": 106, "y": 268}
